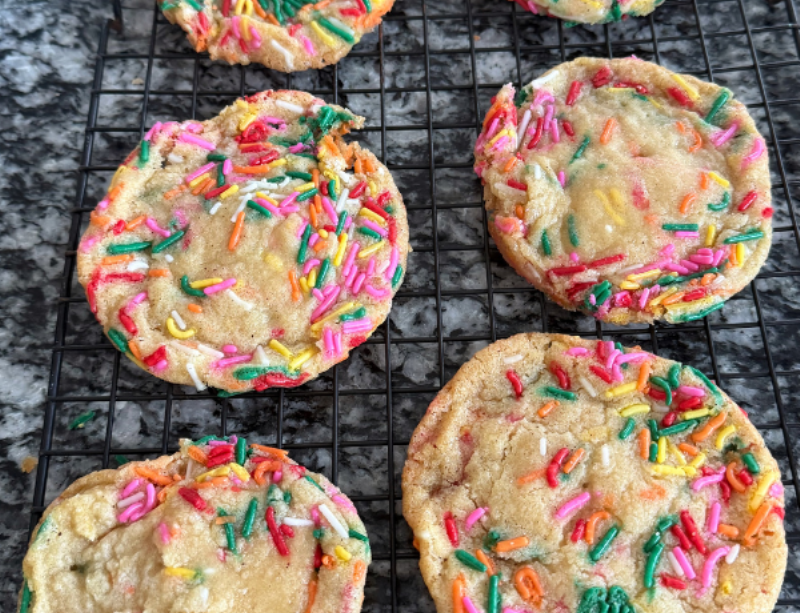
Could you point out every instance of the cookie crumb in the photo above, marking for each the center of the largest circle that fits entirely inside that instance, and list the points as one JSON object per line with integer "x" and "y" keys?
{"x": 28, "y": 464}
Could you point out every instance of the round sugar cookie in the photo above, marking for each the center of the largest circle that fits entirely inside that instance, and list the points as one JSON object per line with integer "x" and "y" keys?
{"x": 591, "y": 11}
{"x": 286, "y": 35}
{"x": 248, "y": 251}
{"x": 219, "y": 526}
{"x": 534, "y": 484}
{"x": 627, "y": 191}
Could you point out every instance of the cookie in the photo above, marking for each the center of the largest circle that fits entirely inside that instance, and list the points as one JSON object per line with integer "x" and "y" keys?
{"x": 219, "y": 526}
{"x": 554, "y": 473}
{"x": 627, "y": 191}
{"x": 286, "y": 35}
{"x": 248, "y": 251}
{"x": 591, "y": 11}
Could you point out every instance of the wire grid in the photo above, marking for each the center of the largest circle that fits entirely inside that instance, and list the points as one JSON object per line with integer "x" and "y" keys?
{"x": 425, "y": 80}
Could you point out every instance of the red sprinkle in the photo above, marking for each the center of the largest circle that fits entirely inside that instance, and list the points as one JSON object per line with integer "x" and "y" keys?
{"x": 219, "y": 460}
{"x": 517, "y": 185}
{"x": 681, "y": 536}
{"x": 287, "y": 530}
{"x": 576, "y": 289}
{"x": 515, "y": 382}
{"x": 383, "y": 198}
{"x": 673, "y": 582}
{"x": 694, "y": 534}
{"x": 127, "y": 321}
{"x": 193, "y": 498}
{"x": 767, "y": 212}
{"x": 568, "y": 128}
{"x": 271, "y": 156}
{"x": 748, "y": 200}
{"x": 657, "y": 394}
{"x": 555, "y": 466}
{"x": 538, "y": 134}
{"x": 779, "y": 511}
{"x": 726, "y": 491}
{"x": 451, "y": 529}
{"x": 119, "y": 227}
{"x": 602, "y": 77}
{"x": 578, "y": 531}
{"x": 369, "y": 204}
{"x": 669, "y": 419}
{"x": 574, "y": 92}
{"x": 745, "y": 477}
{"x": 640, "y": 199}
{"x": 606, "y": 261}
{"x": 565, "y": 271}
{"x": 358, "y": 190}
{"x": 700, "y": 292}
{"x": 563, "y": 378}
{"x": 641, "y": 89}
{"x": 216, "y": 192}
{"x": 318, "y": 556}
{"x": 680, "y": 96}
{"x": 155, "y": 357}
{"x": 600, "y": 373}
{"x": 277, "y": 537}
{"x": 690, "y": 403}
{"x": 601, "y": 351}
{"x": 226, "y": 7}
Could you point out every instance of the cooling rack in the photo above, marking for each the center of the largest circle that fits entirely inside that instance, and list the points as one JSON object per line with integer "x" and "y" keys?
{"x": 424, "y": 80}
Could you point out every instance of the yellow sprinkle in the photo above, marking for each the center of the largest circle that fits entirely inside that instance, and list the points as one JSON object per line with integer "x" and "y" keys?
{"x": 614, "y": 215}
{"x": 690, "y": 91}
{"x": 279, "y": 347}
{"x": 175, "y": 331}
{"x": 629, "y": 285}
{"x": 248, "y": 7}
{"x": 645, "y": 275}
{"x": 661, "y": 469}
{"x": 373, "y": 216}
{"x": 721, "y": 180}
{"x": 244, "y": 27}
{"x": 198, "y": 180}
{"x": 625, "y": 388}
{"x": 696, "y": 304}
{"x": 662, "y": 450}
{"x": 617, "y": 198}
{"x": 323, "y": 232}
{"x": 302, "y": 357}
{"x": 368, "y": 251}
{"x": 239, "y": 7}
{"x": 325, "y": 38}
{"x": 305, "y": 187}
{"x": 205, "y": 283}
{"x": 498, "y": 136}
{"x": 267, "y": 198}
{"x": 239, "y": 471}
{"x": 278, "y": 162}
{"x": 342, "y": 553}
{"x": 333, "y": 177}
{"x": 723, "y": 434}
{"x": 689, "y": 471}
{"x": 304, "y": 286}
{"x": 676, "y": 452}
{"x": 696, "y": 413}
{"x": 662, "y": 296}
{"x": 618, "y": 89}
{"x": 177, "y": 571}
{"x": 312, "y": 278}
{"x": 634, "y": 409}
{"x": 593, "y": 3}
{"x": 337, "y": 259}
{"x": 740, "y": 254}
{"x": 761, "y": 490}
{"x": 711, "y": 234}
{"x": 274, "y": 261}
{"x": 220, "y": 471}
{"x": 315, "y": 328}
{"x": 246, "y": 121}
{"x": 698, "y": 460}
{"x": 654, "y": 103}
{"x": 230, "y": 191}
{"x": 242, "y": 104}
{"x": 727, "y": 587}
{"x": 120, "y": 171}
{"x": 373, "y": 189}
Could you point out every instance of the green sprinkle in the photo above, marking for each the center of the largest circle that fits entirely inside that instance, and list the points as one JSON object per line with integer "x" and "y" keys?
{"x": 650, "y": 566}
{"x": 680, "y": 227}
{"x": 227, "y": 394}
{"x": 398, "y": 275}
{"x": 630, "y": 424}
{"x": 81, "y": 420}
{"x": 323, "y": 271}
{"x": 721, "y": 100}
{"x": 340, "y": 225}
{"x": 665, "y": 523}
{"x": 677, "y": 428}
{"x": 653, "y": 452}
{"x": 750, "y": 461}
{"x": 301, "y": 253}
{"x": 652, "y": 425}
{"x": 615, "y": 12}
{"x": 370, "y": 233}
{"x": 469, "y": 560}
{"x": 128, "y": 247}
{"x": 230, "y": 537}
{"x": 368, "y": 6}
{"x": 195, "y": 5}
{"x": 247, "y": 528}
{"x": 220, "y": 176}
{"x": 118, "y": 338}
{"x": 652, "y": 542}
{"x": 357, "y": 314}
{"x": 592, "y": 600}
{"x": 172, "y": 239}
{"x": 274, "y": 495}
{"x": 332, "y": 191}
{"x": 317, "y": 485}
{"x": 546, "y": 247}
{"x": 674, "y": 376}
{"x": 25, "y": 601}
{"x": 752, "y": 235}
{"x": 202, "y": 441}
{"x": 723, "y": 204}
{"x": 714, "y": 389}
{"x": 520, "y": 97}
{"x": 287, "y": 7}
{"x": 188, "y": 289}
{"x": 389, "y": 209}
{"x": 257, "y": 207}
{"x": 304, "y": 155}
{"x": 557, "y": 392}
{"x": 307, "y": 195}
{"x": 579, "y": 152}
{"x": 287, "y": 497}
{"x": 296, "y": 174}
{"x": 318, "y": 533}
{"x": 357, "y": 535}
{"x": 665, "y": 387}
{"x": 120, "y": 459}
{"x": 604, "y": 544}
{"x": 144, "y": 152}
{"x": 338, "y": 30}
{"x": 43, "y": 528}
{"x": 278, "y": 13}
{"x": 573, "y": 232}
{"x": 491, "y": 539}
{"x": 216, "y": 157}
{"x": 241, "y": 450}
{"x": 494, "y": 599}
{"x": 701, "y": 314}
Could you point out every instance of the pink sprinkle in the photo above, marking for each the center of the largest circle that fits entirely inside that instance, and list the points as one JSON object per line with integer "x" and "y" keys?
{"x": 554, "y": 131}
{"x": 131, "y": 487}
{"x": 164, "y": 532}
{"x": 713, "y": 558}
{"x": 720, "y": 253}
{"x": 686, "y": 234}
{"x": 103, "y": 204}
{"x": 343, "y": 502}
{"x": 359, "y": 325}
{"x": 474, "y": 517}
{"x": 493, "y": 128}
{"x": 375, "y": 227}
{"x": 309, "y": 265}
{"x": 688, "y": 390}
{"x": 562, "y": 178}
{"x": 237, "y": 359}
{"x": 542, "y": 96}
{"x": 635, "y": 356}
{"x": 324, "y": 306}
{"x": 500, "y": 142}
{"x": 313, "y": 240}
{"x": 233, "y": 439}
{"x": 290, "y": 198}
{"x": 684, "y": 563}
{"x": 337, "y": 343}
{"x": 327, "y": 338}
{"x": 308, "y": 45}
{"x": 574, "y": 257}
{"x": 592, "y": 299}
{"x": 196, "y": 140}
{"x": 229, "y": 349}
{"x": 227, "y": 167}
{"x": 644, "y": 298}
{"x": 255, "y": 38}
{"x": 371, "y": 267}
{"x": 702, "y": 482}
{"x": 136, "y": 300}
{"x": 296, "y": 148}
{"x": 577, "y": 351}
{"x": 348, "y": 282}
{"x": 616, "y": 371}
{"x": 511, "y": 609}
{"x": 277, "y": 475}
{"x": 377, "y": 293}
{"x": 548, "y": 116}
{"x": 213, "y": 289}
{"x": 287, "y": 210}
{"x": 156, "y": 128}
{"x": 348, "y": 223}
{"x": 90, "y": 242}
{"x": 194, "y": 128}
{"x": 331, "y": 212}
{"x": 270, "y": 207}
{"x": 216, "y": 443}
{"x": 150, "y": 491}
{"x": 153, "y": 225}
{"x": 652, "y": 266}
{"x": 722, "y": 137}
{"x": 315, "y": 515}
{"x": 713, "y": 518}
{"x": 758, "y": 150}
{"x": 317, "y": 294}
{"x": 329, "y": 289}
{"x": 471, "y": 608}
{"x": 672, "y": 267}
{"x": 393, "y": 260}
{"x": 533, "y": 9}
{"x": 573, "y": 505}
{"x": 621, "y": 297}
{"x": 127, "y": 513}
{"x": 776, "y": 489}
{"x": 612, "y": 357}
{"x": 237, "y": 31}
{"x": 160, "y": 366}
{"x": 690, "y": 266}
{"x": 667, "y": 250}
{"x": 704, "y": 260}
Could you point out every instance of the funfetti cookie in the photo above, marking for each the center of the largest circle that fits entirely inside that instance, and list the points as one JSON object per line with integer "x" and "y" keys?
{"x": 248, "y": 251}
{"x": 627, "y": 191}
{"x": 559, "y": 474}
{"x": 220, "y": 526}
{"x": 287, "y": 35}
{"x": 591, "y": 11}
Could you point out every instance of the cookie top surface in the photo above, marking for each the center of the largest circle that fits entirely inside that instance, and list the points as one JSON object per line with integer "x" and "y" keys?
{"x": 529, "y": 465}
{"x": 289, "y": 36}
{"x": 219, "y": 526}
{"x": 626, "y": 190}
{"x": 592, "y": 11}
{"x": 247, "y": 251}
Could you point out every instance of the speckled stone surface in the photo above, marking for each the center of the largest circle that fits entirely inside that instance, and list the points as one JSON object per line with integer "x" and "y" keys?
{"x": 450, "y": 305}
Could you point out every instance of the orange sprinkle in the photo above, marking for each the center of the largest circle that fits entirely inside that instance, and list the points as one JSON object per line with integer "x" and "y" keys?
{"x": 415, "y": 543}
{"x": 708, "y": 278}
{"x": 176, "y": 477}
{"x": 459, "y": 591}
{"x": 687, "y": 202}
{"x": 259, "y": 11}
{"x": 644, "y": 443}
{"x": 733, "y": 479}
{"x": 319, "y": 246}
{"x": 162, "y": 495}
{"x": 709, "y": 428}
{"x": 681, "y": 128}
{"x": 328, "y": 562}
{"x": 511, "y": 544}
{"x": 359, "y": 572}
{"x": 688, "y": 449}
{"x": 749, "y": 538}
{"x": 547, "y": 409}
{"x": 698, "y": 141}
{"x": 202, "y": 186}
{"x": 510, "y": 164}
{"x": 253, "y": 170}
{"x": 115, "y": 192}
{"x": 676, "y": 297}
{"x": 654, "y": 493}
{"x": 295, "y": 288}
{"x": 228, "y": 519}
{"x": 576, "y": 457}
{"x": 236, "y": 234}
{"x": 271, "y": 18}
{"x": 528, "y": 585}
{"x": 116, "y": 259}
{"x": 135, "y": 223}
{"x": 99, "y": 220}
{"x": 312, "y": 585}
{"x": 321, "y": 4}
{"x": 703, "y": 180}
{"x": 591, "y": 524}
{"x": 174, "y": 192}
{"x": 315, "y": 176}
{"x": 727, "y": 530}
{"x": 280, "y": 453}
{"x": 312, "y": 215}
{"x": 368, "y": 166}
{"x": 651, "y": 219}
{"x": 197, "y": 454}
{"x": 608, "y": 131}
{"x": 263, "y": 467}
{"x": 134, "y": 347}
{"x": 520, "y": 212}
{"x": 357, "y": 167}
{"x": 158, "y": 272}
{"x": 485, "y": 561}
{"x": 153, "y": 475}
{"x": 318, "y": 203}
{"x": 194, "y": 308}
{"x": 644, "y": 375}
{"x": 531, "y": 476}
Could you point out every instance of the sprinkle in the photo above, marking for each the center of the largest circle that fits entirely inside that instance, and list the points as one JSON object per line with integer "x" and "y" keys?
{"x": 475, "y": 516}
{"x": 512, "y": 544}
{"x": 470, "y": 561}
{"x": 174, "y": 331}
{"x": 177, "y": 571}
{"x": 196, "y": 140}
{"x": 368, "y": 251}
{"x": 634, "y": 409}
{"x": 468, "y": 605}
{"x": 573, "y": 461}
{"x": 543, "y": 446}
{"x": 579, "y": 152}
{"x": 710, "y": 562}
{"x": 333, "y": 521}
{"x": 608, "y": 130}
{"x": 723, "y": 434}
{"x": 286, "y": 55}
{"x": 651, "y": 564}
{"x": 128, "y": 247}
{"x": 199, "y": 385}
{"x": 218, "y": 287}
{"x": 587, "y": 386}
{"x": 572, "y": 505}
{"x": 620, "y": 390}
{"x": 604, "y": 544}
{"x": 683, "y": 561}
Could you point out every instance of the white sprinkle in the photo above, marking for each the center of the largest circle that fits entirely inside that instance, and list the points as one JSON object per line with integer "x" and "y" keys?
{"x": 195, "y": 379}
{"x": 215, "y": 208}
{"x": 537, "y": 171}
{"x": 130, "y": 500}
{"x": 522, "y": 127}
{"x": 587, "y": 386}
{"x": 296, "y": 521}
{"x": 239, "y": 209}
{"x": 169, "y": 258}
{"x": 286, "y": 56}
{"x": 315, "y": 108}
{"x": 604, "y": 455}
{"x": 289, "y": 106}
{"x": 185, "y": 349}
{"x": 333, "y": 521}
{"x": 262, "y": 357}
{"x": 232, "y": 295}
{"x": 512, "y": 359}
{"x": 543, "y": 446}
{"x": 209, "y": 351}
{"x": 676, "y": 567}
{"x": 348, "y": 179}
{"x": 342, "y": 199}
{"x": 351, "y": 202}
{"x": 178, "y": 320}
{"x": 203, "y": 591}
{"x": 175, "y": 158}
{"x": 733, "y": 554}
{"x": 341, "y": 25}
{"x": 138, "y": 265}
{"x": 537, "y": 83}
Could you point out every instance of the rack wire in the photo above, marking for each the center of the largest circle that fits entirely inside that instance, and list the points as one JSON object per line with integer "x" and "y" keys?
{"x": 424, "y": 80}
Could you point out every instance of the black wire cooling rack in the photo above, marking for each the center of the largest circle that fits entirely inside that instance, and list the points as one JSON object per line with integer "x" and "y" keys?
{"x": 424, "y": 81}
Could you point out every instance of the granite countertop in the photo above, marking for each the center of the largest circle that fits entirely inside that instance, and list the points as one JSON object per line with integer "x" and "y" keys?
{"x": 47, "y": 57}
